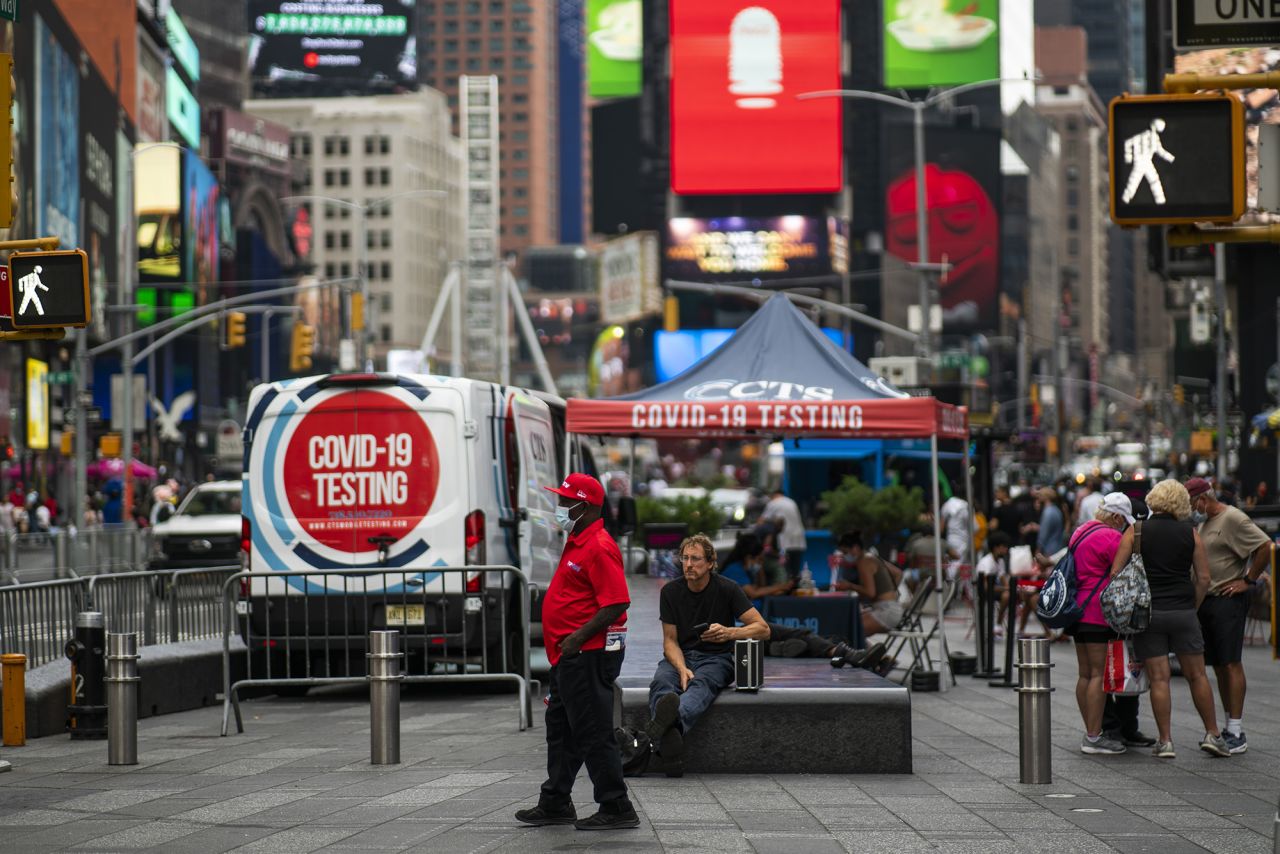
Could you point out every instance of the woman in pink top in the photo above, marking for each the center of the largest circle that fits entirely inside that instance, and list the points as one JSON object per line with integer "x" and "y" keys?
{"x": 1095, "y": 544}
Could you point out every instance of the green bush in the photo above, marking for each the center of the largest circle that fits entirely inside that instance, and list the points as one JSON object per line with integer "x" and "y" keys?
{"x": 699, "y": 514}
{"x": 854, "y": 506}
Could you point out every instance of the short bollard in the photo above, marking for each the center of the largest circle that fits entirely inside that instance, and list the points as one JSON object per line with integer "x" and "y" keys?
{"x": 122, "y": 699}
{"x": 384, "y": 697}
{"x": 1275, "y": 832}
{"x": 15, "y": 699}
{"x": 87, "y": 711}
{"x": 1033, "y": 710}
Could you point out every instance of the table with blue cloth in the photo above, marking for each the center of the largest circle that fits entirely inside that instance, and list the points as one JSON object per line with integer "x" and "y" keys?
{"x": 828, "y": 614}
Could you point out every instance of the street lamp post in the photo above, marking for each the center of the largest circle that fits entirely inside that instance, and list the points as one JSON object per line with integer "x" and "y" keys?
{"x": 365, "y": 354}
{"x": 917, "y": 108}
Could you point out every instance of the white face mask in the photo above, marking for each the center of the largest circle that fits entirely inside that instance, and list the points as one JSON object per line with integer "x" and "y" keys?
{"x": 563, "y": 519}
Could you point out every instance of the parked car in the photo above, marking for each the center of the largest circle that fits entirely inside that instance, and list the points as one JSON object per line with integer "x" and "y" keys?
{"x": 205, "y": 530}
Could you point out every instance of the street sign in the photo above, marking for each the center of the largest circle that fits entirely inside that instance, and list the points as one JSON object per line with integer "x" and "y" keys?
{"x": 1225, "y": 23}
{"x": 9, "y": 10}
{"x": 49, "y": 289}
{"x": 1177, "y": 159}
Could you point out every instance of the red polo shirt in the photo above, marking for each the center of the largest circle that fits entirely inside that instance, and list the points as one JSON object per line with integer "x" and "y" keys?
{"x": 590, "y": 577}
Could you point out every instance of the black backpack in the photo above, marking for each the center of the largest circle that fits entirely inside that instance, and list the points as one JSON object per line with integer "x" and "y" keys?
{"x": 635, "y": 748}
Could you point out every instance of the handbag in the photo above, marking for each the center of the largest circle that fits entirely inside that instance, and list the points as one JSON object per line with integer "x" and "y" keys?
{"x": 1124, "y": 674}
{"x": 1126, "y": 603}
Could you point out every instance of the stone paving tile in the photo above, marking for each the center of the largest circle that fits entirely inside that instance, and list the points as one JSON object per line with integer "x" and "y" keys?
{"x": 393, "y": 836}
{"x": 1152, "y": 843}
{"x": 297, "y": 840}
{"x": 1231, "y": 842}
{"x": 793, "y": 844}
{"x": 141, "y": 837}
{"x": 215, "y": 840}
{"x": 774, "y": 820}
{"x": 883, "y": 842}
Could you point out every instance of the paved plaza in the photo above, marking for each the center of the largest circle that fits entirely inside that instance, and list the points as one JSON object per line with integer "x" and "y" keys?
{"x": 299, "y": 780}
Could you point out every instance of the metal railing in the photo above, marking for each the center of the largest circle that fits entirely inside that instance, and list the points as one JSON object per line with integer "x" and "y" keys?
{"x": 37, "y": 619}
{"x": 71, "y": 553}
{"x": 310, "y": 628}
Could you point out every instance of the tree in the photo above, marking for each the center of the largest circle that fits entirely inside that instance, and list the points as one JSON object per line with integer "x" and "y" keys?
{"x": 855, "y": 506}
{"x": 702, "y": 516}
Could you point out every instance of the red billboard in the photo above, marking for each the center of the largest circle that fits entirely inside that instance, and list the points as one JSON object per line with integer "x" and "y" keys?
{"x": 736, "y": 123}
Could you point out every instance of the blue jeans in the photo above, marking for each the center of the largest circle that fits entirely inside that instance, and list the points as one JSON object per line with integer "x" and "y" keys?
{"x": 712, "y": 673}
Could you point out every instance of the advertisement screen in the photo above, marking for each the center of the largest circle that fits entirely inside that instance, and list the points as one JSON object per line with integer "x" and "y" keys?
{"x": 736, "y": 247}
{"x": 98, "y": 171}
{"x": 157, "y": 187}
{"x": 615, "y": 42}
{"x": 940, "y": 42}
{"x": 963, "y": 189}
{"x": 676, "y": 352}
{"x": 37, "y": 405}
{"x": 200, "y": 226}
{"x": 335, "y": 46}
{"x": 736, "y": 123}
{"x": 58, "y": 137}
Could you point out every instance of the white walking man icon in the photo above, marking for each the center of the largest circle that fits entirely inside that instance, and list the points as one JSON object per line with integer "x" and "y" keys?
{"x": 28, "y": 285}
{"x": 1141, "y": 149}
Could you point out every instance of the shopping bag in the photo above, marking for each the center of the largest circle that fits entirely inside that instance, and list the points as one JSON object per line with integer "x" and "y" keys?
{"x": 1124, "y": 674}
{"x": 1021, "y": 562}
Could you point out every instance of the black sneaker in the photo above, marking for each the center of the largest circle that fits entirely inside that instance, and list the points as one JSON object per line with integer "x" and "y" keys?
{"x": 790, "y": 648}
{"x": 539, "y": 816}
{"x": 610, "y": 820}
{"x": 665, "y": 715}
{"x": 671, "y": 749}
{"x": 1138, "y": 739}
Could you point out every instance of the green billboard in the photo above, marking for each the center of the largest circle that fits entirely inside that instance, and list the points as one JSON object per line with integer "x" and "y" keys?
{"x": 615, "y": 41}
{"x": 940, "y": 42}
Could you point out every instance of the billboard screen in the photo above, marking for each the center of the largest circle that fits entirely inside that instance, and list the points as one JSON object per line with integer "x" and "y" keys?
{"x": 98, "y": 172}
{"x": 736, "y": 123}
{"x": 615, "y": 42}
{"x": 963, "y": 192}
{"x": 157, "y": 187}
{"x": 736, "y": 247}
{"x": 335, "y": 46}
{"x": 940, "y": 42}
{"x": 58, "y": 139}
{"x": 199, "y": 226}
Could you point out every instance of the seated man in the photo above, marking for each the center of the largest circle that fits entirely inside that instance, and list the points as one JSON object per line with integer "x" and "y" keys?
{"x": 698, "y": 614}
{"x": 875, "y": 580}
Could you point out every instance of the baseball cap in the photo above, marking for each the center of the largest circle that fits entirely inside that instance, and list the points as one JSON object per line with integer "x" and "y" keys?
{"x": 1119, "y": 504}
{"x": 584, "y": 487}
{"x": 1197, "y": 486}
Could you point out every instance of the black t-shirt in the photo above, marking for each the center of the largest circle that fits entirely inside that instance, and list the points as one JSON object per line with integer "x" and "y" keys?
{"x": 1168, "y": 551}
{"x": 721, "y": 601}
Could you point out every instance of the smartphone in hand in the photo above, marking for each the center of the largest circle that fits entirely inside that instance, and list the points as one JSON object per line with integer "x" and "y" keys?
{"x": 700, "y": 629}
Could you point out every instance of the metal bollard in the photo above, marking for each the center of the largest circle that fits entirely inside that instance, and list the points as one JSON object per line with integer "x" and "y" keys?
{"x": 15, "y": 699}
{"x": 1275, "y": 832}
{"x": 384, "y": 697}
{"x": 1034, "y": 748}
{"x": 87, "y": 712}
{"x": 122, "y": 699}
{"x": 62, "y": 554}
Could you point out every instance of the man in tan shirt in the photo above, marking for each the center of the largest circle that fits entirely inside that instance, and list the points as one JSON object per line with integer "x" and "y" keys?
{"x": 1238, "y": 552}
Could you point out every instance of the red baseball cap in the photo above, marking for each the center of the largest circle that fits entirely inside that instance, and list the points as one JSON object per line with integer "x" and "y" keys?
{"x": 581, "y": 486}
{"x": 1197, "y": 486}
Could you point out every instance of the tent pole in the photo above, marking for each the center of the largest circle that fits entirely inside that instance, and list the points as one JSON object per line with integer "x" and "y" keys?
{"x": 973, "y": 507}
{"x": 944, "y": 666}
{"x": 631, "y": 488}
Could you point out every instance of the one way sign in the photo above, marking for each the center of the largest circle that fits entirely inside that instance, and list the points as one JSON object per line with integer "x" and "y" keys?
{"x": 49, "y": 289}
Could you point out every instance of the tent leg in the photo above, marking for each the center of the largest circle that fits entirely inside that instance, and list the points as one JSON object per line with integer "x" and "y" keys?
{"x": 944, "y": 663}
{"x": 973, "y": 509}
{"x": 631, "y": 489}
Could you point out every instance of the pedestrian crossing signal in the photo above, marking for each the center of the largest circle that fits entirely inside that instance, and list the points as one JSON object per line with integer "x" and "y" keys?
{"x": 301, "y": 347}
{"x": 1177, "y": 159}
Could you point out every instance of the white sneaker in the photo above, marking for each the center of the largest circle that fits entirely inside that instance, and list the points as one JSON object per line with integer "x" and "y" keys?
{"x": 1103, "y": 746}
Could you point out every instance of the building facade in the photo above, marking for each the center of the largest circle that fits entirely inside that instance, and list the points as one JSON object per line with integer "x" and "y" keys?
{"x": 361, "y": 150}
{"x": 516, "y": 41}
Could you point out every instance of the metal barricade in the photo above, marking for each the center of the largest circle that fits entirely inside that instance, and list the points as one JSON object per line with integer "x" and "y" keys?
{"x": 36, "y": 618}
{"x": 162, "y": 607}
{"x": 310, "y": 628}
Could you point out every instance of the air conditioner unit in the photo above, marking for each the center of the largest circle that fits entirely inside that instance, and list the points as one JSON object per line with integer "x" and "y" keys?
{"x": 901, "y": 371}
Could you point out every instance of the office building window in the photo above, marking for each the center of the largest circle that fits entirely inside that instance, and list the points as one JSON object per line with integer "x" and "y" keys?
{"x": 385, "y": 175}
{"x": 473, "y": 64}
{"x": 384, "y": 145}
{"x": 330, "y": 270}
{"x": 473, "y": 26}
{"x": 372, "y": 272}
{"x": 473, "y": 45}
{"x": 369, "y": 177}
{"x": 521, "y": 230}
{"x": 386, "y": 333}
{"x": 386, "y": 303}
{"x": 369, "y": 143}
{"x": 386, "y": 238}
{"x": 300, "y": 145}
{"x": 451, "y": 64}
{"x": 386, "y": 269}
{"x": 521, "y": 154}
{"x": 497, "y": 45}
{"x": 344, "y": 239}
{"x": 497, "y": 63}
{"x": 345, "y": 268}
{"x": 496, "y": 25}
{"x": 450, "y": 45}
{"x": 330, "y": 240}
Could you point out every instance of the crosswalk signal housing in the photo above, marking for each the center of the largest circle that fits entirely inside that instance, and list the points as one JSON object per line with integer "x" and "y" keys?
{"x": 235, "y": 329}
{"x": 301, "y": 347}
{"x": 1177, "y": 159}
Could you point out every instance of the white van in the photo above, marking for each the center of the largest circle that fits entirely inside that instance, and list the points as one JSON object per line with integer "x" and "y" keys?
{"x": 371, "y": 471}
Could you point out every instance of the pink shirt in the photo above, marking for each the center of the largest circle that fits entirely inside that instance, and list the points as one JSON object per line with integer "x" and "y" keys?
{"x": 1097, "y": 547}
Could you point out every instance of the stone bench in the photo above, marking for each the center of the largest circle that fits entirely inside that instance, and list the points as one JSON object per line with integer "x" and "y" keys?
{"x": 809, "y": 718}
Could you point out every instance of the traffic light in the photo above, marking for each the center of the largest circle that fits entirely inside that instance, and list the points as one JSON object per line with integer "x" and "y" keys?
{"x": 357, "y": 312}
{"x": 301, "y": 347}
{"x": 1179, "y": 395}
{"x": 235, "y": 329}
{"x": 6, "y": 140}
{"x": 1177, "y": 159}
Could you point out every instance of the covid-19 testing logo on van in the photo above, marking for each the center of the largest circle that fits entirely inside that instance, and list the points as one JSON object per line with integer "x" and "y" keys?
{"x": 360, "y": 465}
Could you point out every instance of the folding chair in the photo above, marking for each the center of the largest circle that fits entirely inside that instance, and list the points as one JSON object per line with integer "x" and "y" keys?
{"x": 910, "y": 622}
{"x": 918, "y": 639}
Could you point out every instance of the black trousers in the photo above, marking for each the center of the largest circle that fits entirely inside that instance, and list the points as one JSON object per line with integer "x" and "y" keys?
{"x": 819, "y": 647}
{"x": 580, "y": 730}
{"x": 1120, "y": 714}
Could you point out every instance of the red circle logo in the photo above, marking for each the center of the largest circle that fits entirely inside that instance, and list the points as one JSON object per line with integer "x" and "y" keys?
{"x": 311, "y": 60}
{"x": 360, "y": 465}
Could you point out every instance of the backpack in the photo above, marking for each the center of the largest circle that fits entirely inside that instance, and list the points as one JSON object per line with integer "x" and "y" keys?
{"x": 1126, "y": 603}
{"x": 1057, "y": 607}
{"x": 636, "y": 750}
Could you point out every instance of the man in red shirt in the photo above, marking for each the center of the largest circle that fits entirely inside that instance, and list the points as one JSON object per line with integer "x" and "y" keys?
{"x": 584, "y": 627}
